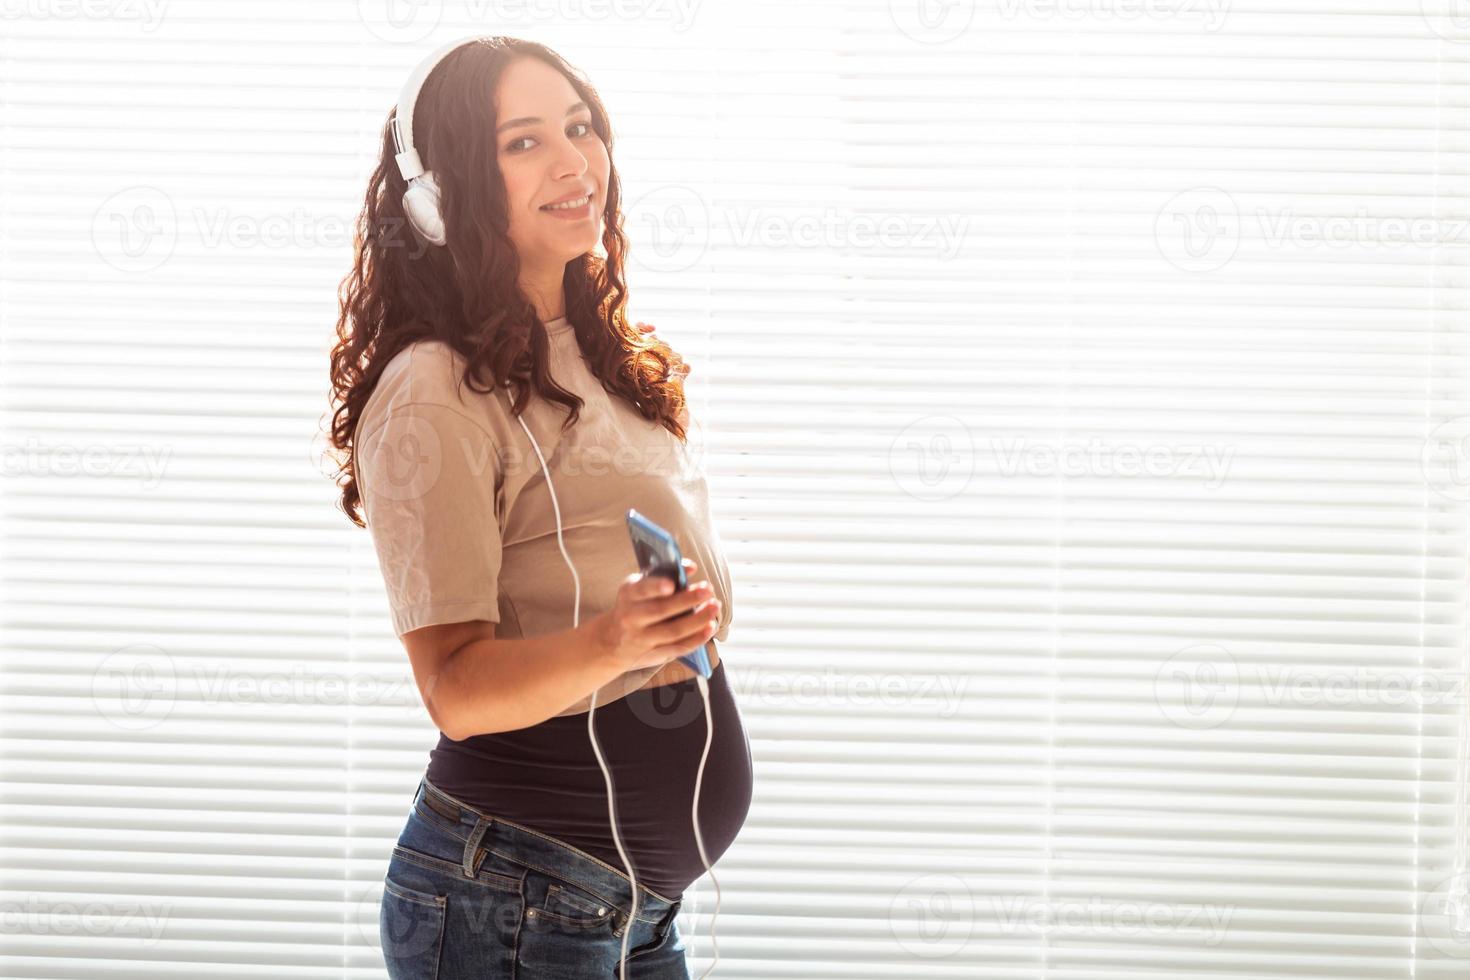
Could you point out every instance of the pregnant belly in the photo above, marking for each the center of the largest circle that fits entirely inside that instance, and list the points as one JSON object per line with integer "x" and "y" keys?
{"x": 546, "y": 777}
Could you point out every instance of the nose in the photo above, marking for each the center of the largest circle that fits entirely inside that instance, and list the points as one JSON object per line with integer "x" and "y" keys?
{"x": 570, "y": 162}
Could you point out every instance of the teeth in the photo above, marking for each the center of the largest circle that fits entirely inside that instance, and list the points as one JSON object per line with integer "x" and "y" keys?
{"x": 580, "y": 202}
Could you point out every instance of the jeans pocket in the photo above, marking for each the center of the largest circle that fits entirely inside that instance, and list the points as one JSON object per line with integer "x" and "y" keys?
{"x": 559, "y": 905}
{"x": 411, "y": 925}
{"x": 570, "y": 903}
{"x": 667, "y": 942}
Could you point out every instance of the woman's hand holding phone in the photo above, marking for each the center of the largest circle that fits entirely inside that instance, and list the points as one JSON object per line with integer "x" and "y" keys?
{"x": 649, "y": 626}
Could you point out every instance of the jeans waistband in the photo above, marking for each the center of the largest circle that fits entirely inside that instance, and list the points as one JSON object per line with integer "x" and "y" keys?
{"x": 483, "y": 832}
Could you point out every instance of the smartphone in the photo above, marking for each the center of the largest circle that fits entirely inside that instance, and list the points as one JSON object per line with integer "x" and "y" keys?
{"x": 658, "y": 554}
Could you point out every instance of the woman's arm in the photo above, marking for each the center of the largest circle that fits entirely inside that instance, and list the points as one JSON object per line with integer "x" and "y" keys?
{"x": 475, "y": 684}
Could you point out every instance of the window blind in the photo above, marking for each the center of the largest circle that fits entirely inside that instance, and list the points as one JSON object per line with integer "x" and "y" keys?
{"x": 1082, "y": 388}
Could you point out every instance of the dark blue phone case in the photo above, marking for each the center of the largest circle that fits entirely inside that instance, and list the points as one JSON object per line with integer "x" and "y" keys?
{"x": 658, "y": 554}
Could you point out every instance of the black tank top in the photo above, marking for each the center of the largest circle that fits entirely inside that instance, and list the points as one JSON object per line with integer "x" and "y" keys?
{"x": 546, "y": 777}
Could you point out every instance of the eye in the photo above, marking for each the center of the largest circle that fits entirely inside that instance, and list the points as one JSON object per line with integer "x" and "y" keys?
{"x": 511, "y": 146}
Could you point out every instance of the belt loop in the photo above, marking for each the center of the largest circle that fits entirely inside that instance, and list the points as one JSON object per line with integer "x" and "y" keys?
{"x": 471, "y": 859}
{"x": 667, "y": 925}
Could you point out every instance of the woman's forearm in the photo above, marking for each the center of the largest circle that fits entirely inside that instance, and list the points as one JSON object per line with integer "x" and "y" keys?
{"x": 495, "y": 685}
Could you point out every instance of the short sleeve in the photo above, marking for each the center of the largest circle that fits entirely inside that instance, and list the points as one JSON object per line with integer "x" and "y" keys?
{"x": 428, "y": 475}
{"x": 727, "y": 590}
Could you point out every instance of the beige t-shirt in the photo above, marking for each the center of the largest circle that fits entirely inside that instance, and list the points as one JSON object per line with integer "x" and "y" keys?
{"x": 460, "y": 515}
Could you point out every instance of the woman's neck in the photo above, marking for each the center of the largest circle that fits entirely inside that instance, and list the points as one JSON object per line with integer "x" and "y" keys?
{"x": 546, "y": 295}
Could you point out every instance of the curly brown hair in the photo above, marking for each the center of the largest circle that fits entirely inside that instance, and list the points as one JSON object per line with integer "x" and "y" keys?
{"x": 466, "y": 293}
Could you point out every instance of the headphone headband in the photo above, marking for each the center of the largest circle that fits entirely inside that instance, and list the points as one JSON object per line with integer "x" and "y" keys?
{"x": 409, "y": 164}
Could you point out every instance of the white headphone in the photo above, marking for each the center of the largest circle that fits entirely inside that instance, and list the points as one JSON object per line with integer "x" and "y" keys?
{"x": 421, "y": 200}
{"x": 421, "y": 203}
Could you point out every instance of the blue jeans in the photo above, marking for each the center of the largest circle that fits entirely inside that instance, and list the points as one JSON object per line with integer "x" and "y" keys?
{"x": 469, "y": 895}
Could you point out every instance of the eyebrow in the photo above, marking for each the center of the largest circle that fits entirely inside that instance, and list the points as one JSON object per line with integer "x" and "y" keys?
{"x": 529, "y": 120}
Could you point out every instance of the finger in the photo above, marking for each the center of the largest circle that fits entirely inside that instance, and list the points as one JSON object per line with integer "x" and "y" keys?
{"x": 666, "y": 652}
{"x": 646, "y": 586}
{"x": 688, "y": 631}
{"x": 669, "y": 608}
{"x": 685, "y": 599}
{"x": 670, "y": 628}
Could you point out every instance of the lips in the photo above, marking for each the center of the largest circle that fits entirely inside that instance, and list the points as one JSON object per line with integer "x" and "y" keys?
{"x": 574, "y": 196}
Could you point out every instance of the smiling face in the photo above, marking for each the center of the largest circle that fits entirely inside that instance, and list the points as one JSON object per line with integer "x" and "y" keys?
{"x": 548, "y": 151}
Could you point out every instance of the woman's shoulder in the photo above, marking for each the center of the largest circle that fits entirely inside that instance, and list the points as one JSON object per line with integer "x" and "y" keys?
{"x": 428, "y": 368}
{"x": 428, "y": 372}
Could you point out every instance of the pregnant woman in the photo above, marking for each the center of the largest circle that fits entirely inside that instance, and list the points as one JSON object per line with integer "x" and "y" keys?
{"x": 498, "y": 417}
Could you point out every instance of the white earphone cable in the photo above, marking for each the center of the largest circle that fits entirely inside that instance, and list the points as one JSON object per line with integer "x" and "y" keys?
{"x": 709, "y": 736}
{"x": 591, "y": 711}
{"x": 602, "y": 762}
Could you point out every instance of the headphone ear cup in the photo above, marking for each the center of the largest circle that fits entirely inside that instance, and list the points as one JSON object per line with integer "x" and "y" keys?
{"x": 421, "y": 204}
